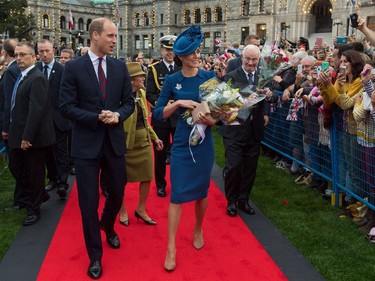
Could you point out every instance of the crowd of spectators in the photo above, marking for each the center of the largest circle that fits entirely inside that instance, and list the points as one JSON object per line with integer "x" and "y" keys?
{"x": 330, "y": 141}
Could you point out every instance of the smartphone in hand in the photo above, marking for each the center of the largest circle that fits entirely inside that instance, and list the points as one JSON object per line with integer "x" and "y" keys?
{"x": 325, "y": 65}
{"x": 354, "y": 20}
{"x": 299, "y": 68}
{"x": 343, "y": 71}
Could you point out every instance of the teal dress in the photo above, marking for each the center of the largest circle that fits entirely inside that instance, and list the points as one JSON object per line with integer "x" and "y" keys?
{"x": 190, "y": 180}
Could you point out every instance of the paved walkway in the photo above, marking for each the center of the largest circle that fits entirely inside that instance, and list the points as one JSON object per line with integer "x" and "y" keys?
{"x": 24, "y": 258}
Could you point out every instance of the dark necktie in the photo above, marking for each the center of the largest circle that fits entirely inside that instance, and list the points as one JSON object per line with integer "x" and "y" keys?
{"x": 251, "y": 81}
{"x": 45, "y": 71}
{"x": 170, "y": 68}
{"x": 13, "y": 100}
{"x": 102, "y": 78}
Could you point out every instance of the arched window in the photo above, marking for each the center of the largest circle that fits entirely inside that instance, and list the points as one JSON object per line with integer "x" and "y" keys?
{"x": 62, "y": 22}
{"x": 45, "y": 20}
{"x": 88, "y": 24}
{"x": 137, "y": 20}
{"x": 187, "y": 19}
{"x": 146, "y": 19}
{"x": 197, "y": 15}
{"x": 207, "y": 14}
{"x": 80, "y": 24}
{"x": 245, "y": 7}
{"x": 218, "y": 14}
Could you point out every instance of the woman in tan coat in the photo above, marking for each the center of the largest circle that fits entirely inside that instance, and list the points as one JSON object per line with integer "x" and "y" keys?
{"x": 139, "y": 136}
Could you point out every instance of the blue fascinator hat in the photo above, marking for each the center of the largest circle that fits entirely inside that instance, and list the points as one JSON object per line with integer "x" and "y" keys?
{"x": 188, "y": 41}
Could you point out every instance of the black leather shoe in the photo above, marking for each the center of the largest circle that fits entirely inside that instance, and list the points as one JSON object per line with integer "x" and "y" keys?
{"x": 72, "y": 171}
{"x": 46, "y": 197}
{"x": 51, "y": 185}
{"x": 245, "y": 207}
{"x": 31, "y": 219}
{"x": 95, "y": 269}
{"x": 167, "y": 161}
{"x": 161, "y": 192}
{"x": 62, "y": 190}
{"x": 231, "y": 209}
{"x": 148, "y": 222}
{"x": 113, "y": 240}
{"x": 13, "y": 208}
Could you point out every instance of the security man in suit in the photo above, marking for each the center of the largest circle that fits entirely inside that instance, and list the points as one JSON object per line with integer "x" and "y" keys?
{"x": 164, "y": 129}
{"x": 31, "y": 130}
{"x": 242, "y": 141}
{"x": 6, "y": 88}
{"x": 57, "y": 158}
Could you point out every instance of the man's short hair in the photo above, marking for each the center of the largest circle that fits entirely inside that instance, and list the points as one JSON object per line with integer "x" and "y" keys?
{"x": 9, "y": 45}
{"x": 97, "y": 25}
{"x": 68, "y": 51}
{"x": 29, "y": 45}
{"x": 249, "y": 38}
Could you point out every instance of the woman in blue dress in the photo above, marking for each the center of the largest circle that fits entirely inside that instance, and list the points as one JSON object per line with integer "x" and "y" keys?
{"x": 190, "y": 165}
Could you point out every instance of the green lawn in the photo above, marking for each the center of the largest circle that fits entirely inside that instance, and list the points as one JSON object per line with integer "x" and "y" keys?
{"x": 335, "y": 246}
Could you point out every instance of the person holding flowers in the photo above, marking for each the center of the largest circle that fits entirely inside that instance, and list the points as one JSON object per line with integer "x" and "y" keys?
{"x": 242, "y": 141}
{"x": 190, "y": 180}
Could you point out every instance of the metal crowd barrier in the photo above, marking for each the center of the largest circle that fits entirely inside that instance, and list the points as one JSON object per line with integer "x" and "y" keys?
{"x": 340, "y": 160}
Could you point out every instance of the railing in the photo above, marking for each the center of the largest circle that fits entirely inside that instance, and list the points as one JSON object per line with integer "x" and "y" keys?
{"x": 334, "y": 155}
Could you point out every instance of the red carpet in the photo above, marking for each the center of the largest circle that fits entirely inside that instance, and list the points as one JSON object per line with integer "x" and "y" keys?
{"x": 231, "y": 252}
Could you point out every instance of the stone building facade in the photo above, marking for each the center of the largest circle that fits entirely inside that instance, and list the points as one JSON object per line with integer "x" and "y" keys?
{"x": 142, "y": 22}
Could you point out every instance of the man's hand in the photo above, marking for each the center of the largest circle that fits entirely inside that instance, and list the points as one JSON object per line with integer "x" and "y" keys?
{"x": 25, "y": 144}
{"x": 108, "y": 117}
{"x": 4, "y": 135}
{"x": 159, "y": 144}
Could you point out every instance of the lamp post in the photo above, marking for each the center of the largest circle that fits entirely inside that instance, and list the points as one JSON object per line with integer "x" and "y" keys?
{"x": 337, "y": 27}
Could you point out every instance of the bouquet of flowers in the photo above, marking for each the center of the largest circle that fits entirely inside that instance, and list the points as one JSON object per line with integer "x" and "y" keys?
{"x": 273, "y": 61}
{"x": 222, "y": 102}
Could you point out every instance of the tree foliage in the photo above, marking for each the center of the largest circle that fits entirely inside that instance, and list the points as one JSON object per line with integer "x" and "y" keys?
{"x": 13, "y": 19}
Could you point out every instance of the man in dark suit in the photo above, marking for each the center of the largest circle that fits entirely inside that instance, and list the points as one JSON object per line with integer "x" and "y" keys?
{"x": 237, "y": 62}
{"x": 242, "y": 141}
{"x": 30, "y": 130}
{"x": 96, "y": 95}
{"x": 6, "y": 88}
{"x": 57, "y": 158}
{"x": 164, "y": 129}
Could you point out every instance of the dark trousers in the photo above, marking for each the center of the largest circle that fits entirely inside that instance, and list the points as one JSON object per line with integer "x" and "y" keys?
{"x": 61, "y": 156}
{"x": 240, "y": 168}
{"x": 28, "y": 168}
{"x": 87, "y": 176}
{"x": 160, "y": 156}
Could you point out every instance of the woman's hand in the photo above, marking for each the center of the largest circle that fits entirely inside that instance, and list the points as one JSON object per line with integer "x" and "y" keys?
{"x": 341, "y": 78}
{"x": 205, "y": 119}
{"x": 298, "y": 93}
{"x": 366, "y": 73}
{"x": 190, "y": 104}
{"x": 159, "y": 144}
{"x": 325, "y": 78}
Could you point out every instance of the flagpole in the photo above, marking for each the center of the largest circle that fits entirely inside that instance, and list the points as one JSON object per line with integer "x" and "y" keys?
{"x": 352, "y": 2}
{"x": 117, "y": 16}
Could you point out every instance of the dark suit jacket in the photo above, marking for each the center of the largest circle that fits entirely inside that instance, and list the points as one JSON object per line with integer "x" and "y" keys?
{"x": 234, "y": 64}
{"x": 6, "y": 89}
{"x": 152, "y": 92}
{"x": 54, "y": 80}
{"x": 255, "y": 120}
{"x": 81, "y": 102}
{"x": 31, "y": 115}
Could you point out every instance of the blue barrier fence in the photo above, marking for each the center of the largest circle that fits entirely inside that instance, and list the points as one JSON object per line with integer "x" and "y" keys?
{"x": 333, "y": 155}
